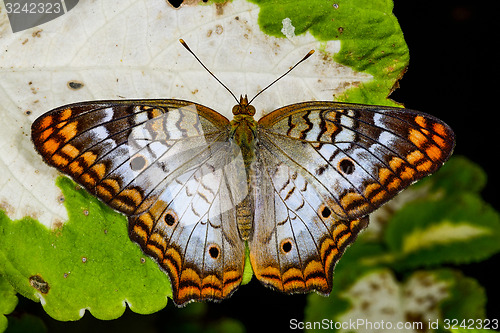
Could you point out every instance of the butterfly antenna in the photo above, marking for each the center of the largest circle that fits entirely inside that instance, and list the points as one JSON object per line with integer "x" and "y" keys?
{"x": 215, "y": 77}
{"x": 288, "y": 71}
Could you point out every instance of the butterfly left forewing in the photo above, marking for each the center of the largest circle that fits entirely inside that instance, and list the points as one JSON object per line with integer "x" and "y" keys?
{"x": 163, "y": 163}
{"x": 102, "y": 145}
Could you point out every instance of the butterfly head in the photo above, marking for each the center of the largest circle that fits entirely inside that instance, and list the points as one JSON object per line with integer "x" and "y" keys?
{"x": 244, "y": 107}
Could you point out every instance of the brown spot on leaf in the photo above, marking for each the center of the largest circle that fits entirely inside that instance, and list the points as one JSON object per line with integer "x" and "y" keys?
{"x": 37, "y": 282}
{"x": 37, "y": 33}
{"x": 75, "y": 85}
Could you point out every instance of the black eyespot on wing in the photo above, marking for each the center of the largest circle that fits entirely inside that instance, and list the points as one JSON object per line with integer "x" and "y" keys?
{"x": 346, "y": 166}
{"x": 169, "y": 219}
{"x": 326, "y": 212}
{"x": 286, "y": 246}
{"x": 213, "y": 251}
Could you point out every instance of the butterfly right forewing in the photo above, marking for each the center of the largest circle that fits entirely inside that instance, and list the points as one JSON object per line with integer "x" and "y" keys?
{"x": 358, "y": 156}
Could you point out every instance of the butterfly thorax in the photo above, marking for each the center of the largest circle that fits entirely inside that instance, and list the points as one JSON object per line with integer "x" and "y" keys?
{"x": 243, "y": 132}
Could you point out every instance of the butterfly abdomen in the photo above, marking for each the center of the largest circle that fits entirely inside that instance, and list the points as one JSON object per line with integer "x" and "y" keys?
{"x": 243, "y": 129}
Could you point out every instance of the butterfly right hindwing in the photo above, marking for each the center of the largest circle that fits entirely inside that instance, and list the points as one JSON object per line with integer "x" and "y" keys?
{"x": 297, "y": 239}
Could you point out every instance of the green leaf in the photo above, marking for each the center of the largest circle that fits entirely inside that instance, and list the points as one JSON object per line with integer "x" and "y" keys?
{"x": 8, "y": 301}
{"x": 370, "y": 35}
{"x": 457, "y": 229}
{"x": 88, "y": 263}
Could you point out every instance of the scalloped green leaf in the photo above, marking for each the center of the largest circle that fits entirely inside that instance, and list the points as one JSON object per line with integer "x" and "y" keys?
{"x": 456, "y": 229}
{"x": 86, "y": 264}
{"x": 370, "y": 35}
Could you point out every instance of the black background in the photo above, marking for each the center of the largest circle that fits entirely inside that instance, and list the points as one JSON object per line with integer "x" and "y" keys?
{"x": 453, "y": 48}
{"x": 453, "y": 55}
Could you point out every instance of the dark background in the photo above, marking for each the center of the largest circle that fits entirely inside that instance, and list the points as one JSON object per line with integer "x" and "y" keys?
{"x": 451, "y": 75}
{"x": 452, "y": 45}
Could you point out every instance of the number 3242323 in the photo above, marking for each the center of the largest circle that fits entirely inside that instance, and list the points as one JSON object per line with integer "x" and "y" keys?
{"x": 33, "y": 8}
{"x": 471, "y": 324}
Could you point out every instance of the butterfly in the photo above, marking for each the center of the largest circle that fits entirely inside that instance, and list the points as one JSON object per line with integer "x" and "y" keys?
{"x": 294, "y": 188}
